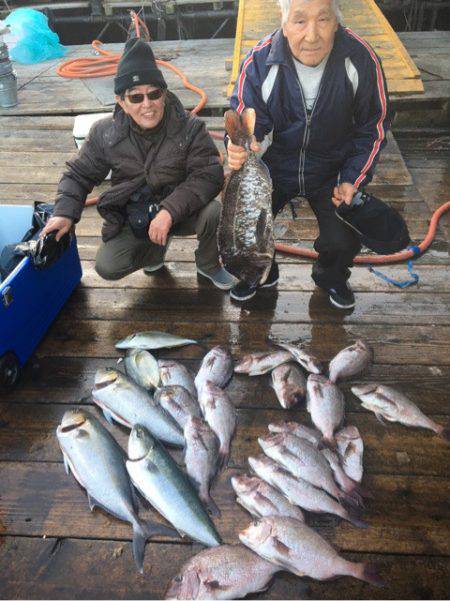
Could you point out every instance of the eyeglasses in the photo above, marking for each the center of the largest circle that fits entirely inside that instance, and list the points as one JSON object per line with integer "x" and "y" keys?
{"x": 138, "y": 98}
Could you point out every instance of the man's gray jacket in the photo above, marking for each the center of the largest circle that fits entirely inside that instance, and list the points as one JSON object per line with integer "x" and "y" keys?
{"x": 182, "y": 168}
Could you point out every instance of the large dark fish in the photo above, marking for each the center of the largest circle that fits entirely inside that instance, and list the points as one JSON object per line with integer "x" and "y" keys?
{"x": 245, "y": 234}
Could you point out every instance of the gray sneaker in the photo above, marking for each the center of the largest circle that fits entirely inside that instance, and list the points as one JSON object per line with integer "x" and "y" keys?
{"x": 220, "y": 278}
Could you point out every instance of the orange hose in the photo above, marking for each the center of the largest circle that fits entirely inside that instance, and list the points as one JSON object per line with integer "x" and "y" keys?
{"x": 377, "y": 259}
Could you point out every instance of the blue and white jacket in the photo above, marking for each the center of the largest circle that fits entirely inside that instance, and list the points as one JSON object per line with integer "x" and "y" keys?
{"x": 340, "y": 139}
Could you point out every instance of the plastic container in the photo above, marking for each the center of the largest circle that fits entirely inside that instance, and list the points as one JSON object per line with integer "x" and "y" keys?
{"x": 30, "y": 298}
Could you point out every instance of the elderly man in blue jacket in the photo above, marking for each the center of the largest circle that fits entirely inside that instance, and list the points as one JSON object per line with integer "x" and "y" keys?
{"x": 322, "y": 115}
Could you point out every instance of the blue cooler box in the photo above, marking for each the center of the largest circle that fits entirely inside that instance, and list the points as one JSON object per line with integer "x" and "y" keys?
{"x": 30, "y": 298}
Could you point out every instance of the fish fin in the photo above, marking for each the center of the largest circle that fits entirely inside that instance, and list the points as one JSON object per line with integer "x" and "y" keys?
{"x": 261, "y": 226}
{"x": 92, "y": 502}
{"x": 351, "y": 500}
{"x": 142, "y": 531}
{"x": 66, "y": 465}
{"x": 380, "y": 418}
{"x": 355, "y": 520}
{"x": 233, "y": 127}
{"x": 248, "y": 120}
{"x": 215, "y": 585}
{"x": 223, "y": 457}
{"x": 212, "y": 508}
{"x": 370, "y": 574}
{"x": 108, "y": 416}
{"x": 445, "y": 434}
{"x": 280, "y": 546}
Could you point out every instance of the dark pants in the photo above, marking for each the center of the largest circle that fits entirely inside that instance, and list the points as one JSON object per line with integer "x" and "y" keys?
{"x": 337, "y": 244}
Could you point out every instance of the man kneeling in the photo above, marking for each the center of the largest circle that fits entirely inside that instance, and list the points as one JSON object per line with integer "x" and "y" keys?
{"x": 165, "y": 175}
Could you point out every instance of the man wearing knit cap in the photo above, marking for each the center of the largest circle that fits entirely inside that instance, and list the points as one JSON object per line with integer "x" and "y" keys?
{"x": 165, "y": 175}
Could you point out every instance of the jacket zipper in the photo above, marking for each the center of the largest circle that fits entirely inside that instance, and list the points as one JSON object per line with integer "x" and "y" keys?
{"x": 308, "y": 117}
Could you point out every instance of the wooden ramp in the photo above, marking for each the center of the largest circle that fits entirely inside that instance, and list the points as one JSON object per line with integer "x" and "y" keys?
{"x": 257, "y": 18}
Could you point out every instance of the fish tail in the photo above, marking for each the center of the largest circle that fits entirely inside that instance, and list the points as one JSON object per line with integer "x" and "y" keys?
{"x": 224, "y": 455}
{"x": 351, "y": 499}
{"x": 363, "y": 491}
{"x": 233, "y": 127}
{"x": 142, "y": 531}
{"x": 248, "y": 120}
{"x": 445, "y": 434}
{"x": 354, "y": 519}
{"x": 369, "y": 572}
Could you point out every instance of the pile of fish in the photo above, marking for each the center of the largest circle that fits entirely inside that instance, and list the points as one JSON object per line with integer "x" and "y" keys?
{"x": 301, "y": 469}
{"x": 159, "y": 401}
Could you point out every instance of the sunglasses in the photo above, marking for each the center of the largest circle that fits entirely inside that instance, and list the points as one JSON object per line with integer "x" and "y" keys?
{"x": 138, "y": 98}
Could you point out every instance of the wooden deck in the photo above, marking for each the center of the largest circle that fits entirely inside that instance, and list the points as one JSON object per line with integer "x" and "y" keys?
{"x": 52, "y": 546}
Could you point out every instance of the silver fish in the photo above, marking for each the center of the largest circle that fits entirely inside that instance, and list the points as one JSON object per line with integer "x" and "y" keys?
{"x": 325, "y": 404}
{"x": 178, "y": 402}
{"x": 305, "y": 461}
{"x": 97, "y": 463}
{"x": 390, "y": 404}
{"x": 225, "y": 572}
{"x": 245, "y": 232}
{"x": 159, "y": 479}
{"x": 142, "y": 367}
{"x": 256, "y": 364}
{"x": 310, "y": 434}
{"x": 216, "y": 367}
{"x": 289, "y": 384}
{"x": 306, "y": 359}
{"x": 201, "y": 452}
{"x": 350, "y": 361}
{"x": 173, "y": 372}
{"x": 350, "y": 447}
{"x": 296, "y": 547}
{"x": 152, "y": 340}
{"x": 261, "y": 499}
{"x": 298, "y": 491}
{"x": 127, "y": 403}
{"x": 220, "y": 414}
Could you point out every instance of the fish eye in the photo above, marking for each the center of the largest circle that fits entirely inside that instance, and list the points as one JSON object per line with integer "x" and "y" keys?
{"x": 178, "y": 578}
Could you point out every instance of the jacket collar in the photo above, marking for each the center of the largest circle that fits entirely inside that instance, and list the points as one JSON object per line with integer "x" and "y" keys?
{"x": 280, "y": 53}
{"x": 176, "y": 117}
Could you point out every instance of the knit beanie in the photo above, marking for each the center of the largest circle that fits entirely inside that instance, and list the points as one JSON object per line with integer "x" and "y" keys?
{"x": 137, "y": 67}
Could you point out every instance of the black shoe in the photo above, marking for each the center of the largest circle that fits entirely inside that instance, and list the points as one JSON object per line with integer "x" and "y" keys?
{"x": 342, "y": 296}
{"x": 242, "y": 291}
{"x": 273, "y": 277}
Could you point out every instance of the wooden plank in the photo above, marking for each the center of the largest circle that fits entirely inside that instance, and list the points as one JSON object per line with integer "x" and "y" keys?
{"x": 397, "y": 345}
{"x": 291, "y": 307}
{"x": 391, "y": 449}
{"x": 292, "y": 277}
{"x": 59, "y": 569}
{"x": 409, "y": 514}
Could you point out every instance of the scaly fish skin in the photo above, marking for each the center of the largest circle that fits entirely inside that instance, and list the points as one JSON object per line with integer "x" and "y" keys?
{"x": 220, "y": 414}
{"x": 256, "y": 364}
{"x": 306, "y": 359}
{"x": 325, "y": 404}
{"x": 178, "y": 402}
{"x": 351, "y": 361}
{"x": 174, "y": 372}
{"x": 297, "y": 490}
{"x": 97, "y": 463}
{"x": 392, "y": 405}
{"x": 298, "y": 548}
{"x": 129, "y": 404}
{"x": 159, "y": 479}
{"x": 245, "y": 233}
{"x": 350, "y": 447}
{"x": 142, "y": 368}
{"x": 261, "y": 499}
{"x": 152, "y": 340}
{"x": 289, "y": 384}
{"x": 216, "y": 367}
{"x": 201, "y": 453}
{"x": 299, "y": 430}
{"x": 225, "y": 572}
